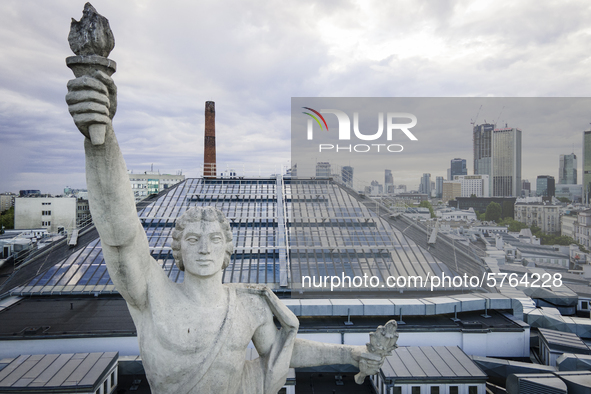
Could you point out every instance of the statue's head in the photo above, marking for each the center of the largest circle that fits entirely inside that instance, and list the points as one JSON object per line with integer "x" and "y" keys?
{"x": 203, "y": 218}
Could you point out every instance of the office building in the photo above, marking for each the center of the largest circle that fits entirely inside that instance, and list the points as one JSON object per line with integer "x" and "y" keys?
{"x": 545, "y": 186}
{"x": 525, "y": 188}
{"x": 388, "y": 182}
{"x": 497, "y": 153}
{"x": 451, "y": 190}
{"x": 152, "y": 182}
{"x": 586, "y": 167}
{"x": 439, "y": 186}
{"x": 482, "y": 141}
{"x": 347, "y": 175}
{"x": 457, "y": 167}
{"x": 49, "y": 213}
{"x": 506, "y": 162}
{"x": 323, "y": 169}
{"x": 573, "y": 192}
{"x": 567, "y": 169}
{"x": 474, "y": 185}
{"x": 425, "y": 185}
{"x": 6, "y": 201}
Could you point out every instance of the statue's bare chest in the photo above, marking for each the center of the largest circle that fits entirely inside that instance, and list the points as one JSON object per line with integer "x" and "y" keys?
{"x": 181, "y": 326}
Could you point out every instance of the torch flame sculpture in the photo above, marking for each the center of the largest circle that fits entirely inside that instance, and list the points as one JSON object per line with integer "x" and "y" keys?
{"x": 91, "y": 39}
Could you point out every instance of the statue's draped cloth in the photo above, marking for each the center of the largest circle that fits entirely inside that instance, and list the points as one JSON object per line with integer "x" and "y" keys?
{"x": 264, "y": 375}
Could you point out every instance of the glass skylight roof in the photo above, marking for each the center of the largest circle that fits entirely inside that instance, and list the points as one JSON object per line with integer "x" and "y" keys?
{"x": 283, "y": 229}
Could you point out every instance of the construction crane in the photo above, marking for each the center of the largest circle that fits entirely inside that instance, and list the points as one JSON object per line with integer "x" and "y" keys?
{"x": 498, "y": 117}
{"x": 473, "y": 122}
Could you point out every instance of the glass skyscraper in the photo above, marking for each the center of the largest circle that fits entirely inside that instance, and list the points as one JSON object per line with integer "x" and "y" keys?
{"x": 567, "y": 169}
{"x": 545, "y": 186}
{"x": 482, "y": 139}
{"x": 457, "y": 167}
{"x": 506, "y": 162}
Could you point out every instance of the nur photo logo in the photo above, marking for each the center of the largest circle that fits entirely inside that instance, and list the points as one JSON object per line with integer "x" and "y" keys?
{"x": 392, "y": 121}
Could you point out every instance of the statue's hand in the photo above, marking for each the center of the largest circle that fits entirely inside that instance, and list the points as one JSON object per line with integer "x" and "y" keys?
{"x": 92, "y": 99}
{"x": 369, "y": 363}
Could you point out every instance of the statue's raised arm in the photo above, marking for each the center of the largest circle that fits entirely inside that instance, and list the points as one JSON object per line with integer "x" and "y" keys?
{"x": 92, "y": 102}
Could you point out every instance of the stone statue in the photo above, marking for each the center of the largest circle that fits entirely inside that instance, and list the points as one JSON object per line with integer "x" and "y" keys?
{"x": 192, "y": 335}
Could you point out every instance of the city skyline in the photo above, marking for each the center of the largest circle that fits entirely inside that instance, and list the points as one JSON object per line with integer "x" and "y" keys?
{"x": 253, "y": 58}
{"x": 442, "y": 135}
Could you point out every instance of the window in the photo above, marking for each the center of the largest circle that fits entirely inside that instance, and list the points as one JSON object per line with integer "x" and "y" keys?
{"x": 45, "y": 213}
{"x": 434, "y": 389}
{"x": 45, "y": 203}
{"x": 417, "y": 390}
{"x": 454, "y": 390}
{"x": 584, "y": 305}
{"x": 472, "y": 389}
{"x": 397, "y": 390}
{"x": 45, "y": 224}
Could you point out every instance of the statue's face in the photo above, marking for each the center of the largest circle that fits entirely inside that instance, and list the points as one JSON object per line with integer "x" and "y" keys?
{"x": 203, "y": 247}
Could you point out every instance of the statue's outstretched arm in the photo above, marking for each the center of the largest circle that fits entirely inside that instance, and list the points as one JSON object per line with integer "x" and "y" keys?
{"x": 92, "y": 101}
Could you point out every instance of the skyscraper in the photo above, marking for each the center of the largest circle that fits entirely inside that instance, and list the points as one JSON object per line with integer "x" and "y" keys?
{"x": 506, "y": 162}
{"x": 347, "y": 175}
{"x": 457, "y": 167}
{"x": 388, "y": 182}
{"x": 587, "y": 166}
{"x": 545, "y": 186}
{"x": 482, "y": 139}
{"x": 323, "y": 169}
{"x": 439, "y": 186}
{"x": 567, "y": 169}
{"x": 525, "y": 188}
{"x": 425, "y": 186}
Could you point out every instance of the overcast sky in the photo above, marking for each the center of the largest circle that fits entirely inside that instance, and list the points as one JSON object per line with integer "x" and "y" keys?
{"x": 251, "y": 57}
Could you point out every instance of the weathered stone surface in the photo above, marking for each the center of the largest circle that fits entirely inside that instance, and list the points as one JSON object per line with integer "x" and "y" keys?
{"x": 193, "y": 335}
{"x": 91, "y": 35}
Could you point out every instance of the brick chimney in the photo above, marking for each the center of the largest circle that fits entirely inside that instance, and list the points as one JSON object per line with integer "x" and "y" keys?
{"x": 209, "y": 164}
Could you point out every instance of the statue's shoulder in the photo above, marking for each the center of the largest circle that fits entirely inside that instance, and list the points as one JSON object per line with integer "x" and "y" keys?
{"x": 251, "y": 292}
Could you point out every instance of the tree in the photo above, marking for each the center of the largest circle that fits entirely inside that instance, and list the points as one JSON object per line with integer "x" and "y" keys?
{"x": 493, "y": 212}
{"x": 512, "y": 224}
{"x": 427, "y": 204}
{"x": 508, "y": 210}
{"x": 7, "y": 219}
{"x": 564, "y": 199}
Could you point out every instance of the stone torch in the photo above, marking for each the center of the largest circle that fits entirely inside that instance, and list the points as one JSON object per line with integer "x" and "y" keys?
{"x": 91, "y": 39}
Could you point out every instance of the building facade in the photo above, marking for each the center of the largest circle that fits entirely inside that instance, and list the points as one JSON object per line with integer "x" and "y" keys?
{"x": 152, "y": 182}
{"x": 388, "y": 182}
{"x": 323, "y": 169}
{"x": 506, "y": 162}
{"x": 425, "y": 185}
{"x": 567, "y": 169}
{"x": 439, "y": 187}
{"x": 572, "y": 192}
{"x": 482, "y": 141}
{"x": 583, "y": 228}
{"x": 476, "y": 185}
{"x": 347, "y": 175}
{"x": 45, "y": 212}
{"x": 451, "y": 190}
{"x": 586, "y": 176}
{"x": 6, "y": 201}
{"x": 545, "y": 186}
{"x": 457, "y": 167}
{"x": 545, "y": 216}
{"x": 525, "y": 188}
